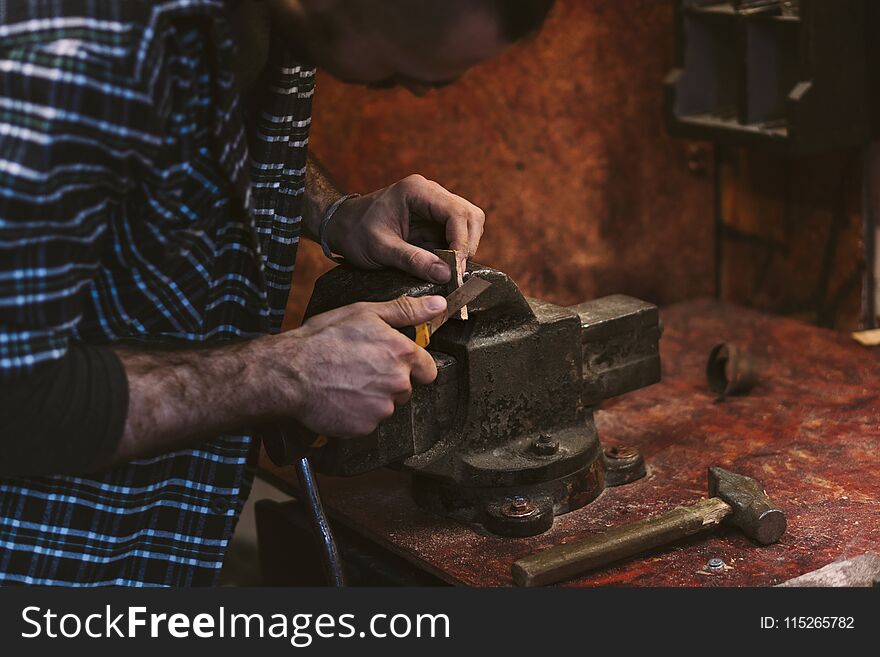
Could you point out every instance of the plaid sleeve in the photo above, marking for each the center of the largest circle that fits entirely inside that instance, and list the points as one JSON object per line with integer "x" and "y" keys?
{"x": 67, "y": 152}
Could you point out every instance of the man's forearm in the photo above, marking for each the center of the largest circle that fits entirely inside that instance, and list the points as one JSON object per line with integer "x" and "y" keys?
{"x": 177, "y": 398}
{"x": 321, "y": 193}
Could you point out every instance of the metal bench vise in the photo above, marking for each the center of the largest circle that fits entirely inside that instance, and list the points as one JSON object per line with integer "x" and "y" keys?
{"x": 505, "y": 435}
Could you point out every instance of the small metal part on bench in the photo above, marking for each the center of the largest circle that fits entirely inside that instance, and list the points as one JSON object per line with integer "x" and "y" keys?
{"x": 715, "y": 564}
{"x": 511, "y": 411}
{"x": 730, "y": 370}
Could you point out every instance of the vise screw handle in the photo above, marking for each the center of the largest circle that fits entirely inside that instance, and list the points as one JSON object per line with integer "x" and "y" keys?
{"x": 291, "y": 444}
{"x": 287, "y": 443}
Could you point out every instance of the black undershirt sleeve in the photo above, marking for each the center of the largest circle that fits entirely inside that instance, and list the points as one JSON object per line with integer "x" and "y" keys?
{"x": 66, "y": 417}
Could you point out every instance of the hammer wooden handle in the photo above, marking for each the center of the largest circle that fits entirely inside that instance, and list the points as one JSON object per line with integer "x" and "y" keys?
{"x": 564, "y": 561}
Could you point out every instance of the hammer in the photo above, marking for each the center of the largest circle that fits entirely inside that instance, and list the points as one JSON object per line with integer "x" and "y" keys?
{"x": 736, "y": 499}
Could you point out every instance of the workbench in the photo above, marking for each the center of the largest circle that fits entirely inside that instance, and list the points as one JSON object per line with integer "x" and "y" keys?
{"x": 809, "y": 431}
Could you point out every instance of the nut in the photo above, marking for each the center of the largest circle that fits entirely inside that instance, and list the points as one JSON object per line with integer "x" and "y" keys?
{"x": 621, "y": 452}
{"x": 519, "y": 507}
{"x": 715, "y": 564}
{"x": 545, "y": 446}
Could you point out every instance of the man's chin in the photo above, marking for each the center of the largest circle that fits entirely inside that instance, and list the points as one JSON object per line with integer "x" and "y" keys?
{"x": 389, "y": 83}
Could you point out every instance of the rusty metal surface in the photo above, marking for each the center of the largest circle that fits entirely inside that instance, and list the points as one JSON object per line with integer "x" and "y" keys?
{"x": 810, "y": 431}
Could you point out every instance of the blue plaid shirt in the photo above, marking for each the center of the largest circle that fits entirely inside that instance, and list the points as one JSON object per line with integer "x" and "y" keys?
{"x": 135, "y": 205}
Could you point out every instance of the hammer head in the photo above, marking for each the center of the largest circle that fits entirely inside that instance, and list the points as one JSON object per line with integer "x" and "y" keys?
{"x": 753, "y": 512}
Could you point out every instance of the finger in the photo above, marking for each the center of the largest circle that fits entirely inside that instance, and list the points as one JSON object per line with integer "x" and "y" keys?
{"x": 424, "y": 369}
{"x": 457, "y": 234}
{"x": 317, "y": 322}
{"x": 403, "y": 397}
{"x": 469, "y": 223}
{"x": 400, "y": 386}
{"x": 370, "y": 416}
{"x": 416, "y": 261}
{"x": 408, "y": 311}
{"x": 384, "y": 410}
{"x": 476, "y": 225}
{"x": 358, "y": 427}
{"x": 434, "y": 202}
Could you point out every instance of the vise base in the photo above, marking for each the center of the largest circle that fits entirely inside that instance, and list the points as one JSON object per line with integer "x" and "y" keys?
{"x": 504, "y": 436}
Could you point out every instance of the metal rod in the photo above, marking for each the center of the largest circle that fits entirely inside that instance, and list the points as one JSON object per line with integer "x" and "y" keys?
{"x": 329, "y": 551}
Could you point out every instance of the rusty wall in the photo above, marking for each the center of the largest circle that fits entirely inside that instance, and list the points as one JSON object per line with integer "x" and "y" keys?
{"x": 562, "y": 142}
{"x": 792, "y": 235}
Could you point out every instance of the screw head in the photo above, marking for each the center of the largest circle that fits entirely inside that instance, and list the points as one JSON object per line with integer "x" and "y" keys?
{"x": 697, "y": 159}
{"x": 715, "y": 564}
{"x": 545, "y": 446}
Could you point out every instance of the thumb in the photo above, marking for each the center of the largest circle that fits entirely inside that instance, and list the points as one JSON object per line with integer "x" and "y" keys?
{"x": 418, "y": 262}
{"x": 409, "y": 311}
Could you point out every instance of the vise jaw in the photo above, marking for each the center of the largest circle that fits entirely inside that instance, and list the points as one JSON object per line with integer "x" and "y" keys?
{"x": 505, "y": 435}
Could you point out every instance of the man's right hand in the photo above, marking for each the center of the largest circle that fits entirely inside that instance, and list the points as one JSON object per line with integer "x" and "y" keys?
{"x": 343, "y": 371}
{"x": 340, "y": 374}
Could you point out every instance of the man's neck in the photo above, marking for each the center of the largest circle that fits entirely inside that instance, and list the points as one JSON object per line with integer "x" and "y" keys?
{"x": 251, "y": 22}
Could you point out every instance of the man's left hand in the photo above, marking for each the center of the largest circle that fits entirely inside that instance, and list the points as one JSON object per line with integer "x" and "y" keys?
{"x": 400, "y": 225}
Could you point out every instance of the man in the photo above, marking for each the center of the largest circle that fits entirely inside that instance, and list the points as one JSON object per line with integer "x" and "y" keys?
{"x": 154, "y": 184}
